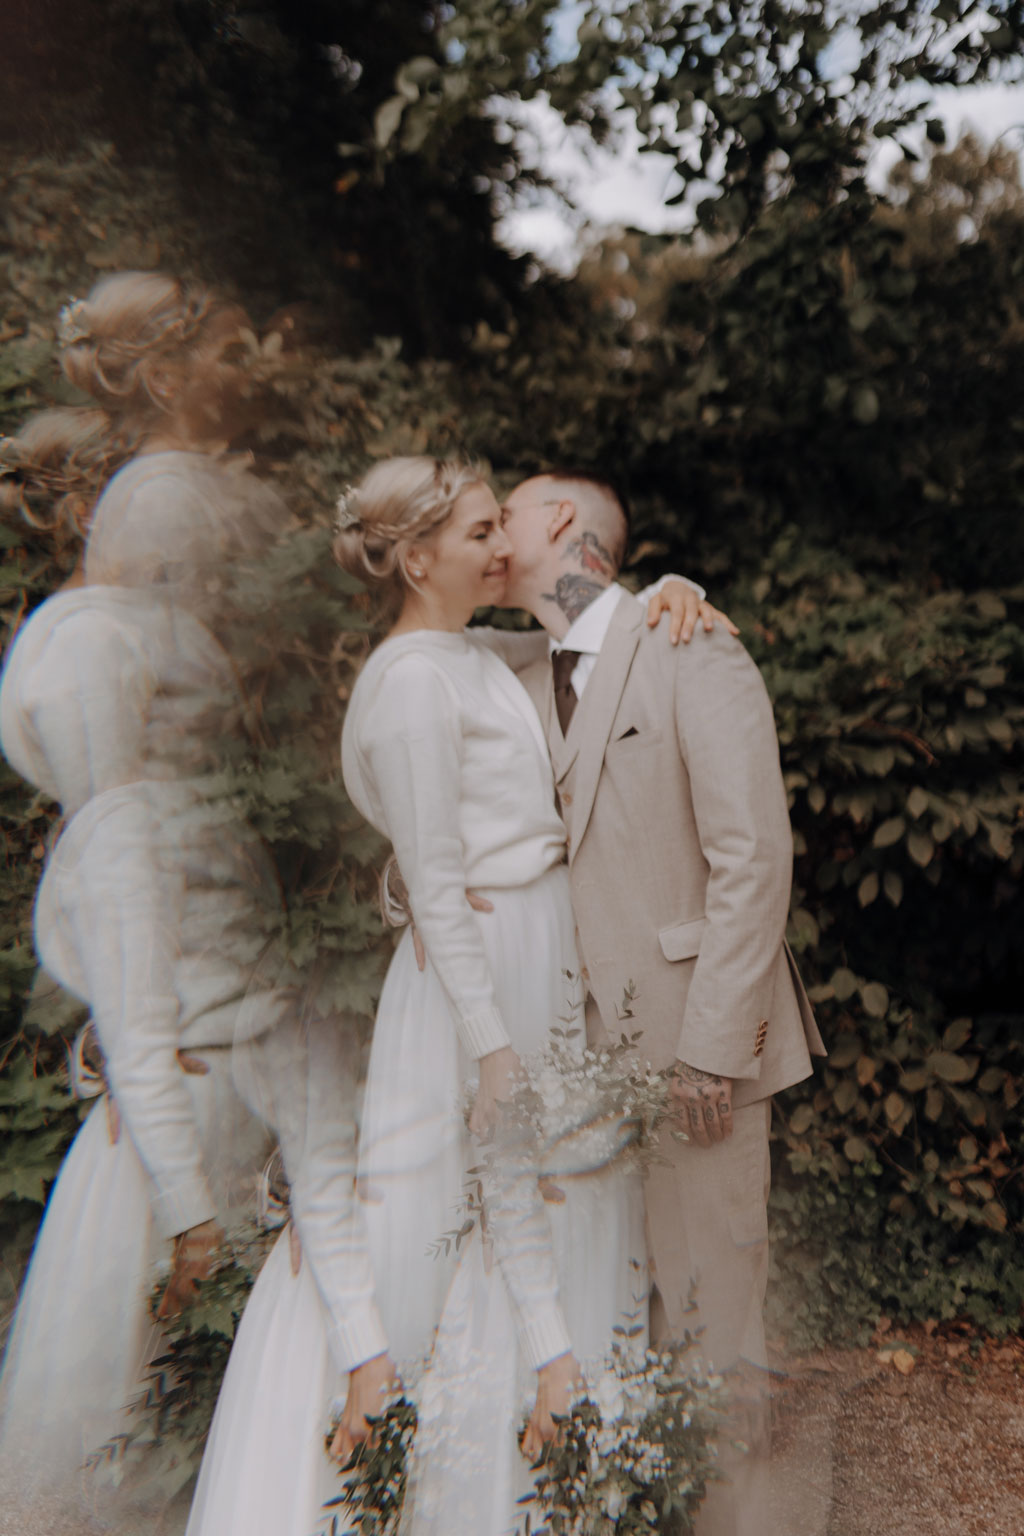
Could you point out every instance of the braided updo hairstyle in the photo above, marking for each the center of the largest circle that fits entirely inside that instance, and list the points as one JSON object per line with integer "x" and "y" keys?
{"x": 138, "y": 334}
{"x": 398, "y": 503}
{"x": 53, "y": 470}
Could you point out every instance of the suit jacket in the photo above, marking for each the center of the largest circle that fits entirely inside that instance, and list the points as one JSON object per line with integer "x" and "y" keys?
{"x": 680, "y": 854}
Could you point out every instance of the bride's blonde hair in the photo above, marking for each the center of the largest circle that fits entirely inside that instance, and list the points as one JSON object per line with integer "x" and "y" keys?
{"x": 53, "y": 470}
{"x": 134, "y": 331}
{"x": 398, "y": 503}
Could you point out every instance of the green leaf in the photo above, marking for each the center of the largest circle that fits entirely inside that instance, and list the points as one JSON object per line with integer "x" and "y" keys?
{"x": 847, "y": 1050}
{"x": 957, "y": 1034}
{"x": 875, "y": 999}
{"x": 895, "y": 1104}
{"x": 934, "y": 1102}
{"x": 867, "y": 890}
{"x": 864, "y": 404}
{"x": 387, "y": 118}
{"x": 845, "y": 1095}
{"x": 843, "y": 983}
{"x": 920, "y": 847}
{"x": 994, "y": 1216}
{"x": 889, "y": 832}
{"x": 918, "y": 801}
{"x": 892, "y": 883}
{"x": 950, "y": 1067}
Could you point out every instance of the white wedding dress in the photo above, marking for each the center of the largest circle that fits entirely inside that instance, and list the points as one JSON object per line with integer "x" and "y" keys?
{"x": 136, "y": 896}
{"x": 444, "y": 754}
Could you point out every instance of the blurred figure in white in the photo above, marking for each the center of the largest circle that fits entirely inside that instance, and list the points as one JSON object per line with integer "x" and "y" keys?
{"x": 117, "y": 702}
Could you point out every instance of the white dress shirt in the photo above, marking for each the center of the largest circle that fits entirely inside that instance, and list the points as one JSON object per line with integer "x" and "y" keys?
{"x": 587, "y": 633}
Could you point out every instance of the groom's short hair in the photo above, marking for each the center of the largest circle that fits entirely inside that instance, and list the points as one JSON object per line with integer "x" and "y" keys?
{"x": 611, "y": 489}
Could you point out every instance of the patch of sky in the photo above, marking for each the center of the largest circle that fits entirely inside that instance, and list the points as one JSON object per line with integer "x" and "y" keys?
{"x": 589, "y": 189}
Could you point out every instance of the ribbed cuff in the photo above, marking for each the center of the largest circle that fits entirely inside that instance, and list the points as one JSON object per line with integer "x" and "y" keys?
{"x": 483, "y": 1032}
{"x": 182, "y": 1206}
{"x": 359, "y": 1338}
{"x": 544, "y": 1334}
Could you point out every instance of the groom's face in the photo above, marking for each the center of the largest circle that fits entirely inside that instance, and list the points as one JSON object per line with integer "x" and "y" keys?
{"x": 528, "y": 515}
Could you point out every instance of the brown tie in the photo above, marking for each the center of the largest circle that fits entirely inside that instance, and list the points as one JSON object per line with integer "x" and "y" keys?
{"x": 563, "y": 664}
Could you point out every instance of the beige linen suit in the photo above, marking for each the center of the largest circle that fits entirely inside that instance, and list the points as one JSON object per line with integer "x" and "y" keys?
{"x": 680, "y": 856}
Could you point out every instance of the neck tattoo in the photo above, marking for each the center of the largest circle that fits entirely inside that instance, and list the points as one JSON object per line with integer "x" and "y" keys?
{"x": 576, "y": 590}
{"x": 591, "y": 555}
{"x": 574, "y": 594}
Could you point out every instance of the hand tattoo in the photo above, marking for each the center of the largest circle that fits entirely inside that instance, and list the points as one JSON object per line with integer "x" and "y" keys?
{"x": 574, "y": 594}
{"x": 695, "y": 1075}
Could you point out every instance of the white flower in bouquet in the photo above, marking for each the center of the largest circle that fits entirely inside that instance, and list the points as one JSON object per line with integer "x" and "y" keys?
{"x": 608, "y": 1395}
{"x": 635, "y": 1455}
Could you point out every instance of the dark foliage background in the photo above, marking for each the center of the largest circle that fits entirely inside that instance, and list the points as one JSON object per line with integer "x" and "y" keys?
{"x": 815, "y": 400}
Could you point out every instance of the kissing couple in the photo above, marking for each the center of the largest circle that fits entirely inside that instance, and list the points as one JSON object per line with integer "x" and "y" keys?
{"x": 611, "y": 804}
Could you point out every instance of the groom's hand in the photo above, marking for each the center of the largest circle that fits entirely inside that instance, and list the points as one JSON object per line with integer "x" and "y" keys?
{"x": 477, "y": 902}
{"x": 396, "y": 911}
{"x": 703, "y": 1103}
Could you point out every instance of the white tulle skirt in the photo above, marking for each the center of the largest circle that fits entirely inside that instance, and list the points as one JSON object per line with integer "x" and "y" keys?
{"x": 447, "y": 1314}
{"x": 82, "y": 1334}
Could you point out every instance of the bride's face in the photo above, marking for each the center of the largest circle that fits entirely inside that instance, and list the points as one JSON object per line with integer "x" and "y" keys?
{"x": 465, "y": 564}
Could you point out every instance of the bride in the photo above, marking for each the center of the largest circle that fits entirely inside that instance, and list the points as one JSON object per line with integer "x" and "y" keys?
{"x": 443, "y": 753}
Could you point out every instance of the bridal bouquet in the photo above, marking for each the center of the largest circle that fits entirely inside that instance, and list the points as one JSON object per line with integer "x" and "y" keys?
{"x": 574, "y": 1112}
{"x": 634, "y": 1456}
{"x": 586, "y": 1107}
{"x": 376, "y": 1475}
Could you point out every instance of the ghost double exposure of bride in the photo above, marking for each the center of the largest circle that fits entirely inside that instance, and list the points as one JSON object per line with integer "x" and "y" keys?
{"x": 511, "y": 726}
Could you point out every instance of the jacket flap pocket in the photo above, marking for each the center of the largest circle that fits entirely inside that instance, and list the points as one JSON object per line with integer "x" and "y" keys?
{"x": 682, "y": 940}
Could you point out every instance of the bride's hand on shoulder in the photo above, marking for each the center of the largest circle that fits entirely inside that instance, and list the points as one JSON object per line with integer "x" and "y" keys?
{"x": 368, "y": 1388}
{"x": 500, "y": 1073}
{"x": 557, "y": 1384}
{"x": 686, "y": 608}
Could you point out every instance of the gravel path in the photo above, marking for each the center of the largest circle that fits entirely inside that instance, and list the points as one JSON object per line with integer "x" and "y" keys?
{"x": 864, "y": 1448}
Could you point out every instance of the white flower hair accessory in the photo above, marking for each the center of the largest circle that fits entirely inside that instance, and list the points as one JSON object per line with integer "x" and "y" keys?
{"x": 71, "y": 323}
{"x": 347, "y": 506}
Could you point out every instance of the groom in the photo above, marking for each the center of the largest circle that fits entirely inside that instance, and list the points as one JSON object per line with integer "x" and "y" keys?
{"x": 667, "y": 774}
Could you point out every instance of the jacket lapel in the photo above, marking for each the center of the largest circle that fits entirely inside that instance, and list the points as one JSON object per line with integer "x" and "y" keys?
{"x": 596, "y": 713}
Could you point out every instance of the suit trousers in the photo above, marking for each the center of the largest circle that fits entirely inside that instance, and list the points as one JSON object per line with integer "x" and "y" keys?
{"x": 707, "y": 1226}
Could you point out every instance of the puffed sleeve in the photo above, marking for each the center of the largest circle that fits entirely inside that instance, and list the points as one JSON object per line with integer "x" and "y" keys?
{"x": 162, "y": 532}
{"x": 411, "y": 741}
{"x": 88, "y": 698}
{"x": 123, "y": 915}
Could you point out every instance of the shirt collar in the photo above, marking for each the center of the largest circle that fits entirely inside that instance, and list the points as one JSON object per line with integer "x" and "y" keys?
{"x": 587, "y": 633}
